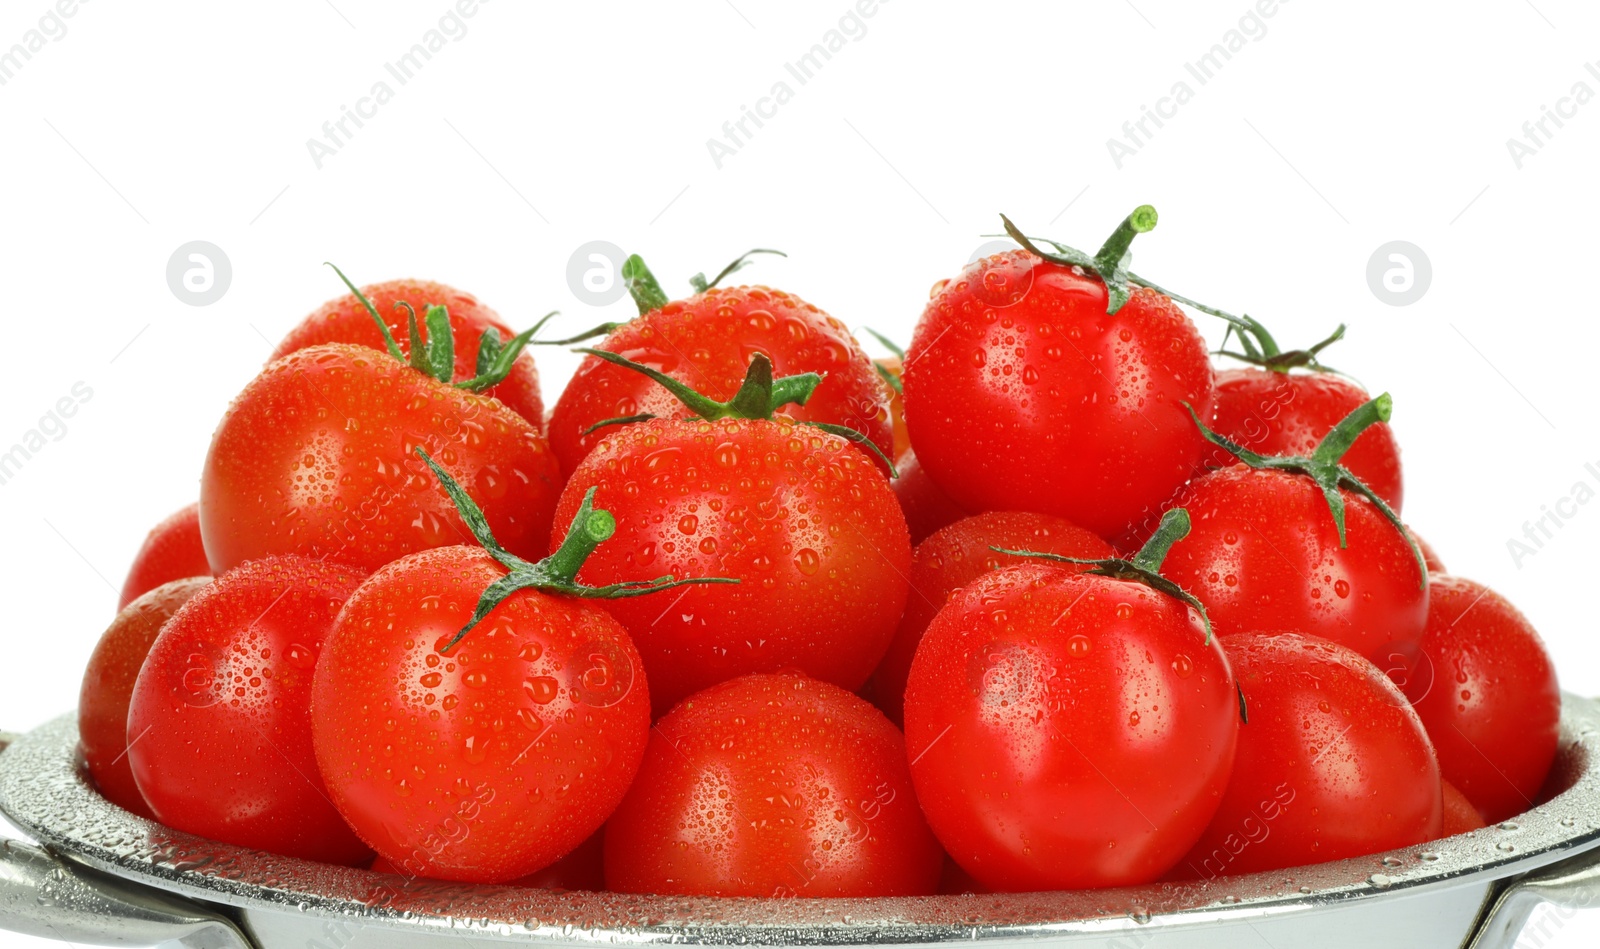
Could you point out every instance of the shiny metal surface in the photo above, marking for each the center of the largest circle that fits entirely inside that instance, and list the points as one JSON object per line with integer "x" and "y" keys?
{"x": 151, "y": 882}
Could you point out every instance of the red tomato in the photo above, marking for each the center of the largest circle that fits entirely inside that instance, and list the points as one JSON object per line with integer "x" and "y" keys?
{"x": 804, "y": 520}
{"x": 707, "y": 341}
{"x": 1487, "y": 692}
{"x": 488, "y": 760}
{"x": 219, "y": 730}
{"x": 925, "y": 505}
{"x": 1460, "y": 816}
{"x": 1332, "y": 762}
{"x": 108, "y": 686}
{"x": 1266, "y": 553}
{"x": 1068, "y": 730}
{"x": 346, "y": 320}
{"x": 171, "y": 551}
{"x": 315, "y": 458}
{"x": 1022, "y": 393}
{"x": 773, "y": 785}
{"x": 1277, "y": 413}
{"x": 955, "y": 556}
{"x": 582, "y": 869}
{"x": 1429, "y": 555}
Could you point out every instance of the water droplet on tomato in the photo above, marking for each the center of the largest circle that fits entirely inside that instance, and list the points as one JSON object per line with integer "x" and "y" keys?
{"x": 807, "y": 561}
{"x": 1078, "y": 646}
{"x": 1183, "y": 666}
{"x": 301, "y": 657}
{"x": 542, "y": 689}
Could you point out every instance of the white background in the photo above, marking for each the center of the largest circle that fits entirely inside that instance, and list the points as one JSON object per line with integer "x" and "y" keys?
{"x": 1342, "y": 127}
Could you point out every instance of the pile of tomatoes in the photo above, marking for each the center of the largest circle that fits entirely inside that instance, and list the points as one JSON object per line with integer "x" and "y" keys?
{"x": 1048, "y": 602}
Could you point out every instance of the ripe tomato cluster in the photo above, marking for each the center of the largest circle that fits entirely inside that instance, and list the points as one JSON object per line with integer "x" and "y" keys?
{"x": 1047, "y": 601}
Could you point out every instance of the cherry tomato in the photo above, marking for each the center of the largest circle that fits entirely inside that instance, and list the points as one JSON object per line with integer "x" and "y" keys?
{"x": 1068, "y": 730}
{"x": 773, "y": 785}
{"x": 582, "y": 869}
{"x": 707, "y": 341}
{"x": 1487, "y": 692}
{"x": 804, "y": 520}
{"x": 490, "y": 760}
{"x": 315, "y": 458}
{"x": 955, "y": 556}
{"x": 171, "y": 551}
{"x": 346, "y": 320}
{"x": 1460, "y": 816}
{"x": 1332, "y": 762}
{"x": 1277, "y": 413}
{"x": 925, "y": 505}
{"x": 1267, "y": 551}
{"x": 1430, "y": 557}
{"x": 219, "y": 731}
{"x": 1023, "y": 393}
{"x": 108, "y": 686}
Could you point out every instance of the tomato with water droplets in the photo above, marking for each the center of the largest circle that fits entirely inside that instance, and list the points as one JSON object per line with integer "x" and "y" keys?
{"x": 1486, "y": 691}
{"x": 488, "y": 760}
{"x": 925, "y": 505}
{"x": 219, "y": 725}
{"x": 804, "y": 520}
{"x": 1022, "y": 393}
{"x": 773, "y": 785}
{"x": 108, "y": 687}
{"x": 955, "y": 556}
{"x": 1332, "y": 762}
{"x": 707, "y": 342}
{"x": 1265, "y": 553}
{"x": 1068, "y": 730}
{"x": 171, "y": 551}
{"x": 346, "y": 320}
{"x": 1277, "y": 413}
{"x": 316, "y": 458}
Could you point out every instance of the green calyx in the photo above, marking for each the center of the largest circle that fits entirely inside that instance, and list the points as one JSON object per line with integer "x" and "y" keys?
{"x": 1110, "y": 263}
{"x": 649, "y": 296}
{"x": 890, "y": 379}
{"x": 646, "y": 289}
{"x": 759, "y": 397}
{"x": 1261, "y": 350}
{"x": 1143, "y": 567}
{"x": 556, "y": 573}
{"x": 1325, "y": 467}
{"x": 435, "y": 357}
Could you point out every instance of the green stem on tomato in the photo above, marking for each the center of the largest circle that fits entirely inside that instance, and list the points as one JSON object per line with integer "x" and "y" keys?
{"x": 556, "y": 573}
{"x": 1143, "y": 567}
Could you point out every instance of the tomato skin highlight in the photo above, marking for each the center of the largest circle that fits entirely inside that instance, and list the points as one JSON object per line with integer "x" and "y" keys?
{"x": 924, "y": 504}
{"x": 1486, "y": 690}
{"x": 490, "y": 762}
{"x": 773, "y": 785}
{"x": 803, "y": 519}
{"x": 171, "y": 551}
{"x": 108, "y": 687}
{"x": 315, "y": 458}
{"x": 1275, "y": 413}
{"x": 1068, "y": 731}
{"x": 1022, "y": 394}
{"x": 219, "y": 725}
{"x": 1332, "y": 764}
{"x": 345, "y": 320}
{"x": 706, "y": 342}
{"x": 1264, "y": 554}
{"x": 955, "y": 556}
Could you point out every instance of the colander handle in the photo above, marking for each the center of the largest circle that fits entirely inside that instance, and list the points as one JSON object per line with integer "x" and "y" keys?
{"x": 1569, "y": 885}
{"x": 52, "y": 898}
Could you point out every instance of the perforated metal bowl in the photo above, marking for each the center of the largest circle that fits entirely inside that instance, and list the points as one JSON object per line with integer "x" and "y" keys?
{"x": 105, "y": 877}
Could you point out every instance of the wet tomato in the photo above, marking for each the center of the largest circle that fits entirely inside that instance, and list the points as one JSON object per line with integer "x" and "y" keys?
{"x": 108, "y": 686}
{"x": 171, "y": 551}
{"x": 219, "y": 726}
{"x": 773, "y": 785}
{"x": 1332, "y": 762}
{"x": 1487, "y": 692}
